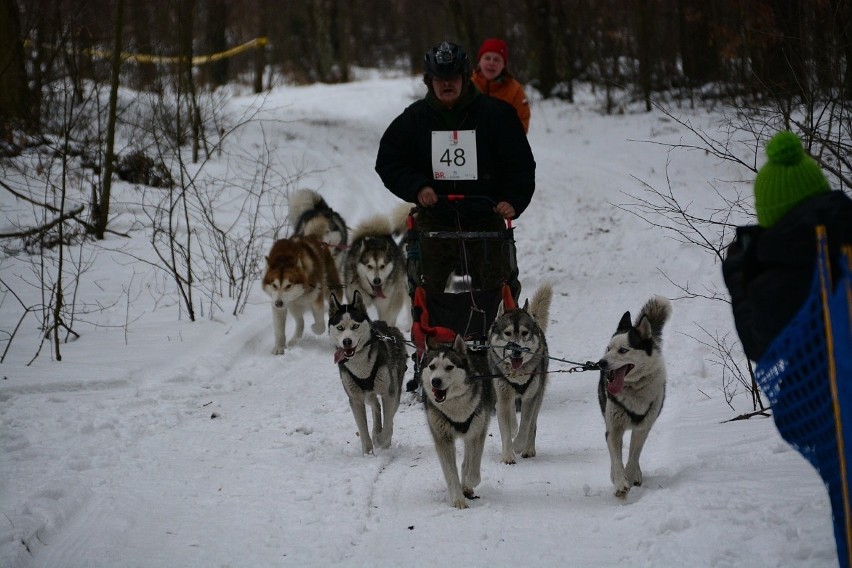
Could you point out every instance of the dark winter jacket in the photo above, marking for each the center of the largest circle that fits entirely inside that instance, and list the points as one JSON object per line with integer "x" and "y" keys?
{"x": 505, "y": 163}
{"x": 769, "y": 272}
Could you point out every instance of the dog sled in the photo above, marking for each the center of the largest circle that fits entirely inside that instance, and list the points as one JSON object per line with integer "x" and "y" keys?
{"x": 481, "y": 272}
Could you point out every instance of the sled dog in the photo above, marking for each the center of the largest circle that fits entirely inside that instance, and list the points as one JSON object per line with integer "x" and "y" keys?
{"x": 632, "y": 388}
{"x": 458, "y": 406}
{"x": 375, "y": 267}
{"x": 372, "y": 360}
{"x": 309, "y": 214}
{"x": 299, "y": 273}
{"x": 519, "y": 359}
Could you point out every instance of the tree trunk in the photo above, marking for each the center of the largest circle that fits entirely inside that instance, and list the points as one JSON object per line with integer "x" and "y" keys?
{"x": 260, "y": 50}
{"x": 645, "y": 63}
{"x": 543, "y": 46}
{"x": 14, "y": 97}
{"x": 321, "y": 40}
{"x": 101, "y": 210}
{"x": 217, "y": 23}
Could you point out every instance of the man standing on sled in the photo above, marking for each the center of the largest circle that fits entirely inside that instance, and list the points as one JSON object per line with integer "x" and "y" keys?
{"x": 456, "y": 140}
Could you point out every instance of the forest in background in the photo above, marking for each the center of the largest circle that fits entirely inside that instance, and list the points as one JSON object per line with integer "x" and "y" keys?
{"x": 779, "y": 50}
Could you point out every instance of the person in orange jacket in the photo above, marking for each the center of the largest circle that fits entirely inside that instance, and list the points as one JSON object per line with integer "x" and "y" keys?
{"x": 493, "y": 78}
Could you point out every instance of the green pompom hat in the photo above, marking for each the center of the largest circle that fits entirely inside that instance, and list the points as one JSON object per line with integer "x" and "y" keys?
{"x": 789, "y": 177}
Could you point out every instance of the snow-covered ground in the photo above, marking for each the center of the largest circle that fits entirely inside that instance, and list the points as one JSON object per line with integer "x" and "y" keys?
{"x": 161, "y": 442}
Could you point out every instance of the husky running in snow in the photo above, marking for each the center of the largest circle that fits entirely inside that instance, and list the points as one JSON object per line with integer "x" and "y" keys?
{"x": 519, "y": 358}
{"x": 372, "y": 360}
{"x": 632, "y": 388}
{"x": 299, "y": 273}
{"x": 458, "y": 404}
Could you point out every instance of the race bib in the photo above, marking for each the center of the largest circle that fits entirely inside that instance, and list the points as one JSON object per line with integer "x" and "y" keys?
{"x": 454, "y": 155}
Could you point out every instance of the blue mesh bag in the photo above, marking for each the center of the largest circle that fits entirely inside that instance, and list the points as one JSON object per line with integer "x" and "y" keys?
{"x": 806, "y": 373}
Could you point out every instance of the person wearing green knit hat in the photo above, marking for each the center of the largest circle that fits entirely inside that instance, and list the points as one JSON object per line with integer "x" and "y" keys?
{"x": 787, "y": 178}
{"x": 768, "y": 268}
{"x": 770, "y": 272}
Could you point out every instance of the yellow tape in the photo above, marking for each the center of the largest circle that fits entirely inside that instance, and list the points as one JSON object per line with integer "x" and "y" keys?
{"x": 196, "y": 60}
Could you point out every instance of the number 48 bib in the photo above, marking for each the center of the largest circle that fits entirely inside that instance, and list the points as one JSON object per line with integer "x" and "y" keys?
{"x": 454, "y": 154}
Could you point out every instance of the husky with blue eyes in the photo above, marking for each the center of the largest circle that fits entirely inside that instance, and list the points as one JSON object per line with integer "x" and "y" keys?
{"x": 372, "y": 361}
{"x": 632, "y": 388}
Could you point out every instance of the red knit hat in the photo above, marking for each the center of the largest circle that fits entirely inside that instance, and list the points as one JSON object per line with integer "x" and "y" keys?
{"x": 497, "y": 46}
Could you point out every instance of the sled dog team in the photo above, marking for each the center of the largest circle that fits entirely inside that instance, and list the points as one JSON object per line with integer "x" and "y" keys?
{"x": 461, "y": 388}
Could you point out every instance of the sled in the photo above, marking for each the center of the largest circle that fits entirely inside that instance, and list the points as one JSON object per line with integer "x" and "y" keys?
{"x": 484, "y": 275}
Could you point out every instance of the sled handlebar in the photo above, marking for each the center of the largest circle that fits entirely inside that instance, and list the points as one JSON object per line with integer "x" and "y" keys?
{"x": 462, "y": 197}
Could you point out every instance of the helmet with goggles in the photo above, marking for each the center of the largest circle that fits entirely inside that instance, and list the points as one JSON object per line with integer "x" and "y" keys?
{"x": 446, "y": 60}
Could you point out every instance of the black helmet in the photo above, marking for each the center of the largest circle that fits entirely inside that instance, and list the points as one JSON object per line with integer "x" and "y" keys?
{"x": 446, "y": 60}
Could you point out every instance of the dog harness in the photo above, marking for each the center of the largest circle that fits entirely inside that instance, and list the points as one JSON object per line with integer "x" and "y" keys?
{"x": 635, "y": 418}
{"x": 368, "y": 383}
{"x": 460, "y": 427}
{"x": 521, "y": 389}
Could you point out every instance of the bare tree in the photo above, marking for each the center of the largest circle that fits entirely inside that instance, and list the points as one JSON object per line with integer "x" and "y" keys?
{"x": 100, "y": 209}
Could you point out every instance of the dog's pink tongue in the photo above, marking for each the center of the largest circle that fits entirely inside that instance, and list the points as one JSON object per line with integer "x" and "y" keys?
{"x": 616, "y": 381}
{"x": 517, "y": 362}
{"x": 339, "y": 355}
{"x": 378, "y": 292}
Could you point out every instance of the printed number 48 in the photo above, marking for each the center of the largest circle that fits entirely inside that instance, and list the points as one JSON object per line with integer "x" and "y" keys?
{"x": 457, "y": 159}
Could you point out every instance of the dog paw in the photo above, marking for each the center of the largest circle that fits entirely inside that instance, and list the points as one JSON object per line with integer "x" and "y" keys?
{"x": 621, "y": 492}
{"x": 278, "y": 350}
{"x": 318, "y": 328}
{"x": 508, "y": 460}
{"x": 635, "y": 477}
{"x": 528, "y": 454}
{"x": 468, "y": 493}
{"x": 460, "y": 504}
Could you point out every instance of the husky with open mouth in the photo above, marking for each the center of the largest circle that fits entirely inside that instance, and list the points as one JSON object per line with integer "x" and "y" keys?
{"x": 372, "y": 361}
{"x": 375, "y": 267}
{"x": 519, "y": 360}
{"x": 632, "y": 388}
{"x": 459, "y": 398}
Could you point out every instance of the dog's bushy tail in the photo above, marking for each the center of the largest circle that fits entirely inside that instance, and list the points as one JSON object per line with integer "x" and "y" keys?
{"x": 301, "y": 201}
{"x": 657, "y": 310}
{"x": 399, "y": 219}
{"x": 540, "y": 305}
{"x": 376, "y": 226}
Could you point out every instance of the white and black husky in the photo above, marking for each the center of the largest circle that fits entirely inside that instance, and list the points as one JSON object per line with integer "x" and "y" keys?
{"x": 309, "y": 214}
{"x": 632, "y": 388}
{"x": 519, "y": 358}
{"x": 375, "y": 267}
{"x": 372, "y": 360}
{"x": 459, "y": 400}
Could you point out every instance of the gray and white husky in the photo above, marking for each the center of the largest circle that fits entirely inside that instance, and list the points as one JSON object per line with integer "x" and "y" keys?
{"x": 519, "y": 358}
{"x": 375, "y": 267}
{"x": 372, "y": 360}
{"x": 632, "y": 388}
{"x": 458, "y": 402}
